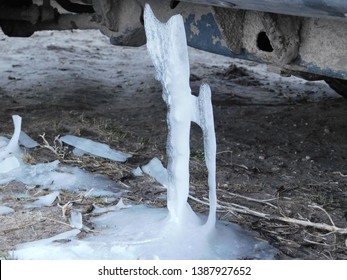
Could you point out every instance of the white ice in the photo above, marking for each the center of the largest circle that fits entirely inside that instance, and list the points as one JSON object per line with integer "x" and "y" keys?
{"x": 156, "y": 170}
{"x": 137, "y": 172}
{"x": 12, "y": 147}
{"x": 54, "y": 176}
{"x": 119, "y": 206}
{"x": 94, "y": 148}
{"x": 145, "y": 233}
{"x": 51, "y": 175}
{"x": 76, "y": 219}
{"x": 3, "y": 142}
{"x": 5, "y": 210}
{"x": 26, "y": 141}
{"x": 8, "y": 164}
{"x": 46, "y": 200}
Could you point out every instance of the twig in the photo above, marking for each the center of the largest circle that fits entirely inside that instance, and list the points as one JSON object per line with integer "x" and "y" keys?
{"x": 264, "y": 201}
{"x": 339, "y": 173}
{"x": 55, "y": 149}
{"x": 7, "y": 230}
{"x": 317, "y": 243}
{"x": 326, "y": 213}
{"x": 245, "y": 210}
{"x": 59, "y": 222}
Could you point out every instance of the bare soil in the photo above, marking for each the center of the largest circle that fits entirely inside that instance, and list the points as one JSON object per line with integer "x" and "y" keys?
{"x": 281, "y": 156}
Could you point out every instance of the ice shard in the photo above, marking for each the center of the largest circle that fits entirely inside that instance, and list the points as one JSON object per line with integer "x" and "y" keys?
{"x": 94, "y": 148}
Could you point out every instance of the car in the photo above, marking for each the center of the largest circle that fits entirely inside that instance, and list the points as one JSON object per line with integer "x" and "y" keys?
{"x": 305, "y": 38}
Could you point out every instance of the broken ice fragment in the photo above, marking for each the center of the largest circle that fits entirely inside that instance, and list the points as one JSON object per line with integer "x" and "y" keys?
{"x": 4, "y": 210}
{"x": 9, "y": 164}
{"x": 95, "y": 148}
{"x": 78, "y": 152}
{"x": 76, "y": 219}
{"x": 46, "y": 200}
{"x": 26, "y": 141}
{"x": 121, "y": 204}
{"x": 137, "y": 172}
{"x": 156, "y": 170}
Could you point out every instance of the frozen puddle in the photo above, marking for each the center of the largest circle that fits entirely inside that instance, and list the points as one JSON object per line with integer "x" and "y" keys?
{"x": 139, "y": 232}
{"x": 149, "y": 235}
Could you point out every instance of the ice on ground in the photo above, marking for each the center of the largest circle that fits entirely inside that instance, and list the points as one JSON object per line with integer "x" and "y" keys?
{"x": 51, "y": 175}
{"x": 43, "y": 201}
{"x": 137, "y": 172}
{"x": 4, "y": 210}
{"x": 78, "y": 153}
{"x": 3, "y": 141}
{"x": 8, "y": 164}
{"x": 156, "y": 170}
{"x": 94, "y": 148}
{"x": 26, "y": 141}
{"x": 35, "y": 250}
{"x": 76, "y": 219}
{"x": 56, "y": 177}
{"x": 120, "y": 205}
{"x": 146, "y": 233}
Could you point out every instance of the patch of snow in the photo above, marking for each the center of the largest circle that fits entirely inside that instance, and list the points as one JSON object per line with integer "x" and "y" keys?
{"x": 95, "y": 148}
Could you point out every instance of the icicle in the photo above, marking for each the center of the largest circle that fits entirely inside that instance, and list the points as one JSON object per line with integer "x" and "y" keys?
{"x": 167, "y": 47}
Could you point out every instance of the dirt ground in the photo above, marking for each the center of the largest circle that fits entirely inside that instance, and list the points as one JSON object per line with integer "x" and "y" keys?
{"x": 282, "y": 154}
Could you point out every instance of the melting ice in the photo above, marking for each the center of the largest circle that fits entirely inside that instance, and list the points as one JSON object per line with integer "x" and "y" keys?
{"x": 177, "y": 232}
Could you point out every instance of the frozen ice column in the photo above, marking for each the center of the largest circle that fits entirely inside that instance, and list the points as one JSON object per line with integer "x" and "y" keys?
{"x": 167, "y": 46}
{"x": 8, "y": 159}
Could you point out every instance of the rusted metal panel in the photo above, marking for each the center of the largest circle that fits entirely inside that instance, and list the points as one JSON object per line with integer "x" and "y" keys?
{"x": 306, "y": 8}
